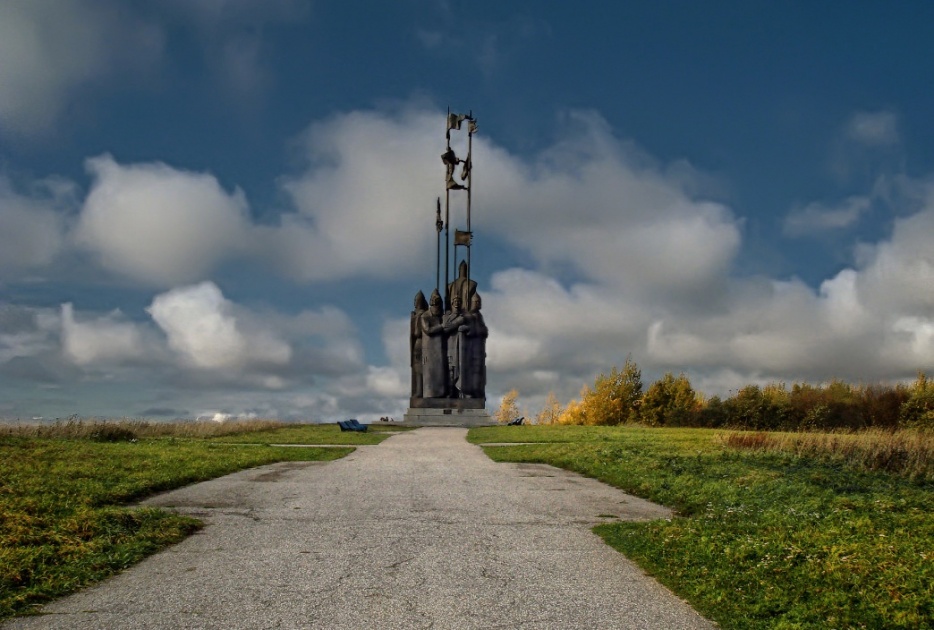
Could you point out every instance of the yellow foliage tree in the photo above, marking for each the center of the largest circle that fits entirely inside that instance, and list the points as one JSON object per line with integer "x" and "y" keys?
{"x": 551, "y": 411}
{"x": 615, "y": 397}
{"x": 508, "y": 408}
{"x": 573, "y": 414}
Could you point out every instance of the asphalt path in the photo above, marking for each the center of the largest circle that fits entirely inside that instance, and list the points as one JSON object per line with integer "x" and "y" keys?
{"x": 422, "y": 531}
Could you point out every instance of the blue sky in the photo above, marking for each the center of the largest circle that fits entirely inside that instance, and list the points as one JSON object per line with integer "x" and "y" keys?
{"x": 226, "y": 206}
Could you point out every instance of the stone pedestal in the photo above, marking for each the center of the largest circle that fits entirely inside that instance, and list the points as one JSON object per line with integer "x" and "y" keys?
{"x": 426, "y": 417}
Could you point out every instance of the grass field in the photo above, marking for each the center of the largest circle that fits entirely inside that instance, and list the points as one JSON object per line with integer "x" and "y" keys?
{"x": 65, "y": 519}
{"x": 764, "y": 538}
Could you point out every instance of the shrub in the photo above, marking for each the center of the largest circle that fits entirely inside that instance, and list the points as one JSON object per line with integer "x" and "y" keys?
{"x": 758, "y": 408}
{"x": 713, "y": 413}
{"x": 670, "y": 401}
{"x": 106, "y": 432}
{"x": 918, "y": 410}
{"x": 881, "y": 404}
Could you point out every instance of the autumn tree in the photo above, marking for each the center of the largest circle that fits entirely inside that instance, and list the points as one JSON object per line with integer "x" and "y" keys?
{"x": 615, "y": 397}
{"x": 551, "y": 411}
{"x": 508, "y": 408}
{"x": 918, "y": 410}
{"x": 670, "y": 401}
{"x": 573, "y": 413}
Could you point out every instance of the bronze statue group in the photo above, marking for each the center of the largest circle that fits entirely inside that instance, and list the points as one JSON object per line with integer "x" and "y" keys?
{"x": 448, "y": 348}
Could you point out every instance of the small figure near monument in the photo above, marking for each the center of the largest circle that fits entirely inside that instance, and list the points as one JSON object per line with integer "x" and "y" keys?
{"x": 434, "y": 350}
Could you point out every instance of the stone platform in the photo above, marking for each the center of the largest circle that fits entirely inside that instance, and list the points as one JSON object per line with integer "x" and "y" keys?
{"x": 423, "y": 417}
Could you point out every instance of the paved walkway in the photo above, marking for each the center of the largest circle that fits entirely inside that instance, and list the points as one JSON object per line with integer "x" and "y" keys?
{"x": 422, "y": 531}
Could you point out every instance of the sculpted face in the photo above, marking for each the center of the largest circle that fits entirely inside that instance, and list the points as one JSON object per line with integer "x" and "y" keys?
{"x": 435, "y": 306}
{"x": 475, "y": 303}
{"x": 456, "y": 304}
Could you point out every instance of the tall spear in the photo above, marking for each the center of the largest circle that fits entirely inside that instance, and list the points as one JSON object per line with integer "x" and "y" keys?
{"x": 447, "y": 221}
{"x": 439, "y": 224}
{"x": 471, "y": 128}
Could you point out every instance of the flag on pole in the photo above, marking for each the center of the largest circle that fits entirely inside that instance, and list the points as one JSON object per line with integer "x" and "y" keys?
{"x": 455, "y": 120}
{"x": 463, "y": 238}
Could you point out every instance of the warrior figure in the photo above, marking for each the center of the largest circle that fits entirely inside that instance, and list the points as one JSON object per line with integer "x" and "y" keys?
{"x": 463, "y": 287}
{"x": 455, "y": 328}
{"x": 473, "y": 376}
{"x": 415, "y": 343}
{"x": 434, "y": 350}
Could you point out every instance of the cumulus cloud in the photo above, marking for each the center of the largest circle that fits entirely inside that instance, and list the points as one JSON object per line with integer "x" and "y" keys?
{"x": 50, "y": 50}
{"x": 105, "y": 339}
{"x": 604, "y": 207}
{"x": 160, "y": 225}
{"x": 648, "y": 269}
{"x": 202, "y": 327}
{"x": 590, "y": 201}
{"x": 367, "y": 194}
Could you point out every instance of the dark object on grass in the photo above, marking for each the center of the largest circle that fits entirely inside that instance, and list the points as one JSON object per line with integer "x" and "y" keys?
{"x": 352, "y": 425}
{"x": 112, "y": 433}
{"x": 516, "y": 422}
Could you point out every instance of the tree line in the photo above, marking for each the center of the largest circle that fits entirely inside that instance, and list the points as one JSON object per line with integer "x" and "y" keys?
{"x": 619, "y": 398}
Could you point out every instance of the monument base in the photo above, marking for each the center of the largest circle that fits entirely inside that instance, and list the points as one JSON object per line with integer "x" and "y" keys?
{"x": 424, "y": 417}
{"x": 447, "y": 403}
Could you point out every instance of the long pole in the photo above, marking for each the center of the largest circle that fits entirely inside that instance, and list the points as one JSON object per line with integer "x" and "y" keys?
{"x": 438, "y": 239}
{"x": 469, "y": 188}
{"x": 447, "y": 221}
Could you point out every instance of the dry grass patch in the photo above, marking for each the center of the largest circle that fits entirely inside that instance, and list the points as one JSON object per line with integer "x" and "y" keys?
{"x": 908, "y": 453}
{"x": 125, "y": 430}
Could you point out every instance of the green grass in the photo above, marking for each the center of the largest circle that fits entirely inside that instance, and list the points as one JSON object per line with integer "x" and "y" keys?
{"x": 762, "y": 539}
{"x": 315, "y": 434}
{"x": 64, "y": 515}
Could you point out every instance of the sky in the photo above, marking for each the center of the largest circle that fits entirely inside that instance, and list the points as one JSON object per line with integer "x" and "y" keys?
{"x": 224, "y": 208}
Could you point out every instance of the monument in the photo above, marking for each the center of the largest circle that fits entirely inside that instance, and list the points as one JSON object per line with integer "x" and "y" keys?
{"x": 447, "y": 335}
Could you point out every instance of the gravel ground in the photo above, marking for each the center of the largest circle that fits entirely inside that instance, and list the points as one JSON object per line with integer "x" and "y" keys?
{"x": 422, "y": 531}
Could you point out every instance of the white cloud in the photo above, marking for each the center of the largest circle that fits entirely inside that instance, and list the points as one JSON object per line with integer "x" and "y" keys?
{"x": 104, "y": 339}
{"x": 160, "y": 225}
{"x": 365, "y": 206}
{"x": 816, "y": 217}
{"x": 368, "y": 194}
{"x": 388, "y": 382}
{"x": 206, "y": 332}
{"x": 51, "y": 49}
{"x": 647, "y": 266}
{"x": 896, "y": 275}
{"x": 609, "y": 211}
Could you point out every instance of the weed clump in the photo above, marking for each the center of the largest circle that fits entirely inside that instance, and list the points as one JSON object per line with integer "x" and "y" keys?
{"x": 112, "y": 433}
